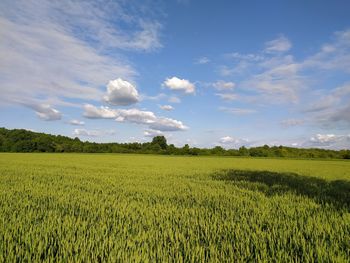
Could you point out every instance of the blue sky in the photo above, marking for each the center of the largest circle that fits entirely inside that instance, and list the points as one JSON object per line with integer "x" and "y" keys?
{"x": 206, "y": 73}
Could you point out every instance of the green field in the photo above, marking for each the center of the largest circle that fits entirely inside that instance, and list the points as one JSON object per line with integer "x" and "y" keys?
{"x": 144, "y": 208}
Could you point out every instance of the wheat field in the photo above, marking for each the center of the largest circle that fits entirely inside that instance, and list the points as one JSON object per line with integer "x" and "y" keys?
{"x": 147, "y": 208}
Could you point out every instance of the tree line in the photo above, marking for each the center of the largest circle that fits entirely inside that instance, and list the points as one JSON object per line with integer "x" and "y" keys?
{"x": 20, "y": 140}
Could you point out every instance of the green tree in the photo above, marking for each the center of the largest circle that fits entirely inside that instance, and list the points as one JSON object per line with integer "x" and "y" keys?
{"x": 243, "y": 151}
{"x": 161, "y": 141}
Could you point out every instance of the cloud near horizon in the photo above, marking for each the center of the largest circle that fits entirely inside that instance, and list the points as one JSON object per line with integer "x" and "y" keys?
{"x": 136, "y": 116}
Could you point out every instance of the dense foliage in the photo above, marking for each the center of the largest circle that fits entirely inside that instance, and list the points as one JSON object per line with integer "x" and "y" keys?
{"x": 19, "y": 140}
{"x": 147, "y": 208}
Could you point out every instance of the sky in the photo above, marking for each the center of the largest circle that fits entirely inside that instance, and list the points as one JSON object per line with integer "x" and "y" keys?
{"x": 205, "y": 73}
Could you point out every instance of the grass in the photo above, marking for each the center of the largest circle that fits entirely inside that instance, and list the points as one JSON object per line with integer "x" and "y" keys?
{"x": 143, "y": 208}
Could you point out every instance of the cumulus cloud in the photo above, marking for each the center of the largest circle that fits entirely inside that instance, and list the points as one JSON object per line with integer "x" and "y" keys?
{"x": 280, "y": 44}
{"x": 167, "y": 124}
{"x": 121, "y": 93}
{"x": 93, "y": 112}
{"x": 177, "y": 84}
{"x": 224, "y": 85}
{"x": 46, "y": 112}
{"x": 227, "y": 139}
{"x": 76, "y": 122}
{"x": 136, "y": 116}
{"x": 92, "y": 133}
{"x": 152, "y": 133}
{"x": 166, "y": 107}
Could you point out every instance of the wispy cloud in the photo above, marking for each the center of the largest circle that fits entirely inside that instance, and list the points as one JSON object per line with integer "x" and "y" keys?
{"x": 45, "y": 112}
{"x": 237, "y": 111}
{"x": 280, "y": 44}
{"x": 48, "y": 56}
{"x": 291, "y": 123}
{"x": 202, "y": 60}
{"x": 223, "y": 85}
{"x": 76, "y": 122}
{"x": 227, "y": 96}
{"x": 166, "y": 107}
{"x": 92, "y": 133}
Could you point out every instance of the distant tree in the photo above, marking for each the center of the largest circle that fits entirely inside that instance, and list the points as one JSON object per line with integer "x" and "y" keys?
{"x": 243, "y": 151}
{"x": 171, "y": 149}
{"x": 185, "y": 149}
{"x": 218, "y": 150}
{"x": 161, "y": 141}
{"x": 19, "y": 140}
{"x": 2, "y": 142}
{"x": 44, "y": 144}
{"x": 194, "y": 151}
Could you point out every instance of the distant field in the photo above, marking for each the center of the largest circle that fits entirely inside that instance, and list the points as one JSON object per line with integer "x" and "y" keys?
{"x": 144, "y": 208}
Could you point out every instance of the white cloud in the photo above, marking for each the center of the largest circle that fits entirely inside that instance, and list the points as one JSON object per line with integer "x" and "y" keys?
{"x": 167, "y": 124}
{"x": 281, "y": 44}
{"x": 174, "y": 99}
{"x": 46, "y": 112}
{"x": 152, "y": 133}
{"x": 246, "y": 57}
{"x": 227, "y": 139}
{"x": 224, "y": 85}
{"x": 292, "y": 122}
{"x": 231, "y": 142}
{"x": 278, "y": 82}
{"x": 226, "y": 71}
{"x": 341, "y": 115}
{"x": 76, "y": 122}
{"x": 323, "y": 103}
{"x": 92, "y": 133}
{"x": 202, "y": 60}
{"x": 93, "y": 112}
{"x": 237, "y": 111}
{"x": 332, "y": 56}
{"x": 154, "y": 98}
{"x": 56, "y": 50}
{"x": 242, "y": 63}
{"x": 121, "y": 93}
{"x": 177, "y": 84}
{"x": 273, "y": 78}
{"x": 331, "y": 109}
{"x": 136, "y": 116}
{"x": 166, "y": 107}
{"x": 328, "y": 141}
{"x": 227, "y": 96}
